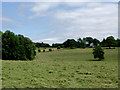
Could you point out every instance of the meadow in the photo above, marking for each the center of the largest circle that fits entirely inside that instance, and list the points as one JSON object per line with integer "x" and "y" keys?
{"x": 67, "y": 68}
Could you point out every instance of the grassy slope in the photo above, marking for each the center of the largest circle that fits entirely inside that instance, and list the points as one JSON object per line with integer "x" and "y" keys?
{"x": 63, "y": 68}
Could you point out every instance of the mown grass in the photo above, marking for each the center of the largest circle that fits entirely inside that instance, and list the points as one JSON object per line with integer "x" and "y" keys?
{"x": 67, "y": 68}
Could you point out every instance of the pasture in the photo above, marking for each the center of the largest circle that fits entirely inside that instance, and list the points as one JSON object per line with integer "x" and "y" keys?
{"x": 67, "y": 68}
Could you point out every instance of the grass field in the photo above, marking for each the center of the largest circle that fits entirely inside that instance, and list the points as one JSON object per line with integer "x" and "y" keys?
{"x": 67, "y": 68}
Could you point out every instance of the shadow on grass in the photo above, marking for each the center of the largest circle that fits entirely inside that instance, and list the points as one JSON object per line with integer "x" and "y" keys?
{"x": 94, "y": 60}
{"x": 16, "y": 60}
{"x": 110, "y": 48}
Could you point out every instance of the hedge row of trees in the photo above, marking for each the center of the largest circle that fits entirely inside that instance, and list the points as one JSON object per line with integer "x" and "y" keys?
{"x": 42, "y": 44}
{"x": 17, "y": 47}
{"x": 85, "y": 42}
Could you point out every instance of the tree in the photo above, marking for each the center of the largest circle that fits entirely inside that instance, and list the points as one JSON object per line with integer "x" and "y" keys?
{"x": 1, "y": 33}
{"x": 41, "y": 45}
{"x": 110, "y": 41}
{"x": 17, "y": 47}
{"x": 71, "y": 43}
{"x": 10, "y": 46}
{"x": 58, "y": 44}
{"x": 88, "y": 40}
{"x": 118, "y": 42}
{"x": 104, "y": 43}
{"x": 29, "y": 48}
{"x": 96, "y": 42}
{"x": 81, "y": 43}
{"x": 98, "y": 53}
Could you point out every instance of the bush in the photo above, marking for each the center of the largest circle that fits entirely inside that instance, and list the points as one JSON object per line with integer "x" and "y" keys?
{"x": 17, "y": 47}
{"x": 39, "y": 50}
{"x": 72, "y": 47}
{"x": 50, "y": 49}
{"x": 98, "y": 53}
{"x": 43, "y": 50}
{"x": 58, "y": 47}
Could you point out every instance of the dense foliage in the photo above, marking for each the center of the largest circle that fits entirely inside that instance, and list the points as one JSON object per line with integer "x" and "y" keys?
{"x": 57, "y": 45}
{"x": 1, "y": 45}
{"x": 70, "y": 43}
{"x": 41, "y": 44}
{"x": 98, "y": 52}
{"x": 17, "y": 47}
{"x": 83, "y": 43}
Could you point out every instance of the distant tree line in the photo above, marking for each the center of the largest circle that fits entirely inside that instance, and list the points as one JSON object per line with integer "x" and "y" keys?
{"x": 41, "y": 44}
{"x": 17, "y": 47}
{"x": 83, "y": 43}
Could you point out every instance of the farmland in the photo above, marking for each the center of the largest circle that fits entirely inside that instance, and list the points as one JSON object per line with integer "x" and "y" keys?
{"x": 67, "y": 68}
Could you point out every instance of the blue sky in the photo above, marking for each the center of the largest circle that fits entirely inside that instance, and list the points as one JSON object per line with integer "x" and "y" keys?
{"x": 54, "y": 22}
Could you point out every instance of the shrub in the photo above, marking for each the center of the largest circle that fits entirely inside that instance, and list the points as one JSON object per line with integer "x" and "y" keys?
{"x": 43, "y": 50}
{"x": 72, "y": 47}
{"x": 98, "y": 53}
{"x": 39, "y": 50}
{"x": 17, "y": 47}
{"x": 50, "y": 49}
{"x": 58, "y": 47}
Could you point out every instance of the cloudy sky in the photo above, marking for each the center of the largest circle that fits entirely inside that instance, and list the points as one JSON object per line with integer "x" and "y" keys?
{"x": 55, "y": 22}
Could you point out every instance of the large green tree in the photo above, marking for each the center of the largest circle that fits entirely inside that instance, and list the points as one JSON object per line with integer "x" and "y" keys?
{"x": 81, "y": 43}
{"x": 17, "y": 47}
{"x": 96, "y": 42}
{"x": 88, "y": 40}
{"x": 118, "y": 42}
{"x": 1, "y": 33}
{"x": 110, "y": 41}
{"x": 70, "y": 43}
{"x": 98, "y": 53}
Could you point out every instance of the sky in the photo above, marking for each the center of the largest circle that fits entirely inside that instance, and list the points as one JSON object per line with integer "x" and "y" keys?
{"x": 55, "y": 22}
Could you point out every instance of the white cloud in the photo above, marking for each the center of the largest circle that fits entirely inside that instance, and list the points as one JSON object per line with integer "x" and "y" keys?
{"x": 41, "y": 9}
{"x": 49, "y": 40}
{"x": 60, "y": 1}
{"x": 83, "y": 19}
{"x": 6, "y": 19}
{"x": 10, "y": 20}
{"x": 98, "y": 18}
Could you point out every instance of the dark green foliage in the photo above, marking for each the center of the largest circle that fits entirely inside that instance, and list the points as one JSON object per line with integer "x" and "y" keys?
{"x": 110, "y": 41}
{"x": 118, "y": 42}
{"x": 41, "y": 44}
{"x": 43, "y": 50}
{"x": 50, "y": 49}
{"x": 98, "y": 52}
{"x": 88, "y": 40}
{"x": 81, "y": 43}
{"x": 58, "y": 47}
{"x": 96, "y": 42}
{"x": 72, "y": 47}
{"x": 103, "y": 43}
{"x": 70, "y": 43}
{"x": 1, "y": 33}
{"x": 17, "y": 47}
{"x": 39, "y": 50}
{"x": 58, "y": 44}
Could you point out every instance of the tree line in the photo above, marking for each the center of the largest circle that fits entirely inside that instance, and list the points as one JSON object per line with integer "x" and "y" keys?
{"x": 17, "y": 47}
{"x": 83, "y": 43}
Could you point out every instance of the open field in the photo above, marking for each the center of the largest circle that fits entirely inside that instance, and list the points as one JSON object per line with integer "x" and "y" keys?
{"x": 67, "y": 68}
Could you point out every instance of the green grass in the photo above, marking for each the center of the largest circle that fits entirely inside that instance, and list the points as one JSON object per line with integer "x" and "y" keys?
{"x": 67, "y": 68}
